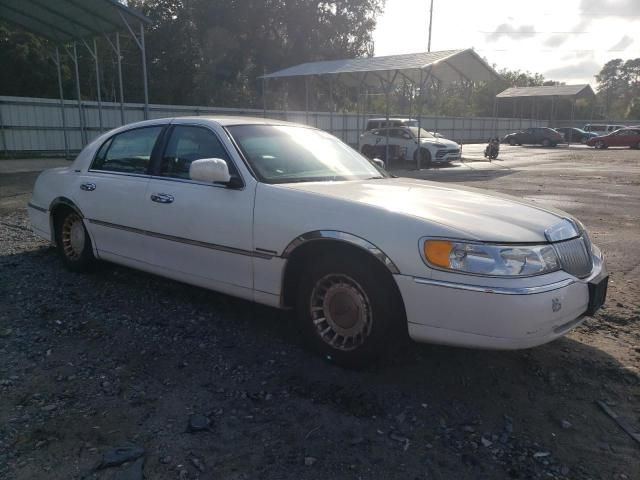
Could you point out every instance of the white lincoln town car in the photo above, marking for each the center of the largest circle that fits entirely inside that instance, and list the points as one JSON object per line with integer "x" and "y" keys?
{"x": 289, "y": 216}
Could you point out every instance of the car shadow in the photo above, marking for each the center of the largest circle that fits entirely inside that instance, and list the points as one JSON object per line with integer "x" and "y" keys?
{"x": 145, "y": 352}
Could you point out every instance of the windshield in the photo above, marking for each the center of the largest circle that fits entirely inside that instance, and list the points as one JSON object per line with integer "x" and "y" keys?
{"x": 287, "y": 154}
{"x": 423, "y": 133}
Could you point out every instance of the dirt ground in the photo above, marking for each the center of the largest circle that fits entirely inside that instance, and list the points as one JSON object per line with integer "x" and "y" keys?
{"x": 207, "y": 386}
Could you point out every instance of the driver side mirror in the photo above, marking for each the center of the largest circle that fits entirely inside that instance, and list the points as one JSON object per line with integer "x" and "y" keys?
{"x": 210, "y": 170}
{"x": 378, "y": 163}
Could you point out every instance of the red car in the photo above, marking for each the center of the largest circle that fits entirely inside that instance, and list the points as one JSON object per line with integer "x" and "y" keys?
{"x": 625, "y": 137}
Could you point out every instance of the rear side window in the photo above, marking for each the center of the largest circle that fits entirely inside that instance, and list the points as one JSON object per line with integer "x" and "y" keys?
{"x": 128, "y": 152}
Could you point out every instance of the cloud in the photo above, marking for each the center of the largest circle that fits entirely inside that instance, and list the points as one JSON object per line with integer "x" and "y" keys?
{"x": 580, "y": 70}
{"x": 610, "y": 8}
{"x": 556, "y": 40}
{"x": 623, "y": 43}
{"x": 509, "y": 31}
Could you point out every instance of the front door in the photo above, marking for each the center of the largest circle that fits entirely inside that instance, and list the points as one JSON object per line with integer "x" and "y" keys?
{"x": 111, "y": 193}
{"x": 199, "y": 232}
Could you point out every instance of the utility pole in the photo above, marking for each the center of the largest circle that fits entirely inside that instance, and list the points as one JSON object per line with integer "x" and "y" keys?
{"x": 430, "y": 22}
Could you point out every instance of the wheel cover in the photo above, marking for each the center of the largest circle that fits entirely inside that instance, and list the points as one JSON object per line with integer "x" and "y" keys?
{"x": 341, "y": 312}
{"x": 73, "y": 236}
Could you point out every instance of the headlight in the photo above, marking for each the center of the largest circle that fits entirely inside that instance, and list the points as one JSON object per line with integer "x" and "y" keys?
{"x": 495, "y": 260}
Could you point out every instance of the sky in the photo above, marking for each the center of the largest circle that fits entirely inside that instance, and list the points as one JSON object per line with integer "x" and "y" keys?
{"x": 565, "y": 40}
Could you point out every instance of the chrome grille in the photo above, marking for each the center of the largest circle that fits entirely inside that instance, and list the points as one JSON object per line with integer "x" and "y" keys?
{"x": 575, "y": 256}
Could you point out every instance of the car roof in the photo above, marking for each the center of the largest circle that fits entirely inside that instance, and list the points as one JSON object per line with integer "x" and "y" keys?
{"x": 392, "y": 119}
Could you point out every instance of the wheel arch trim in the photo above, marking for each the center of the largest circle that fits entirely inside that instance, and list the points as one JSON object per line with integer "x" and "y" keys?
{"x": 66, "y": 202}
{"x": 344, "y": 237}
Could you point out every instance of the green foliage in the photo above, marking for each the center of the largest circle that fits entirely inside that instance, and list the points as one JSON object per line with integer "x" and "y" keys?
{"x": 619, "y": 88}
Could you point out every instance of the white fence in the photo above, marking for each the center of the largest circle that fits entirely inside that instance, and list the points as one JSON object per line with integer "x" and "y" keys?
{"x": 34, "y": 125}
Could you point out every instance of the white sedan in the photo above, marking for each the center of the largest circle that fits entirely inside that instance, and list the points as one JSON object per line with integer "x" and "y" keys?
{"x": 403, "y": 142}
{"x": 289, "y": 216}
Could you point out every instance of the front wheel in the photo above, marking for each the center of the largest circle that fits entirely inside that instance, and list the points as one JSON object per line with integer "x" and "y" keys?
{"x": 601, "y": 145}
{"x": 73, "y": 242}
{"x": 546, "y": 142}
{"x": 512, "y": 142}
{"x": 425, "y": 157}
{"x": 346, "y": 313}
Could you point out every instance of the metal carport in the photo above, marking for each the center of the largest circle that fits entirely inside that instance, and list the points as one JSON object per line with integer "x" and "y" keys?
{"x": 552, "y": 92}
{"x": 67, "y": 23}
{"x": 418, "y": 69}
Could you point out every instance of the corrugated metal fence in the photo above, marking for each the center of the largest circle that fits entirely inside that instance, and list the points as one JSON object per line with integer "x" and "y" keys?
{"x": 34, "y": 125}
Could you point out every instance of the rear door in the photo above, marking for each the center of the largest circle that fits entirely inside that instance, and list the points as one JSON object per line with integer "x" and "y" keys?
{"x": 111, "y": 193}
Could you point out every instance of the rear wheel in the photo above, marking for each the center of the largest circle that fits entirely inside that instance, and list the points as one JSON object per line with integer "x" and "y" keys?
{"x": 346, "y": 313}
{"x": 73, "y": 242}
{"x": 546, "y": 142}
{"x": 425, "y": 157}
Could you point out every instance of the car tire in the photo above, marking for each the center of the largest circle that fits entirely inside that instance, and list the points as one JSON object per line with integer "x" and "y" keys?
{"x": 637, "y": 147}
{"x": 425, "y": 159}
{"x": 366, "y": 151}
{"x": 546, "y": 142}
{"x": 512, "y": 142}
{"x": 600, "y": 145}
{"x": 73, "y": 242}
{"x": 345, "y": 313}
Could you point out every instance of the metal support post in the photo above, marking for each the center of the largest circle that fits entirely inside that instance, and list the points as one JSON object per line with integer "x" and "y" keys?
{"x": 306, "y": 100}
{"x": 141, "y": 46}
{"x": 264, "y": 97}
{"x": 62, "y": 113}
{"x": 119, "y": 57}
{"x": 94, "y": 54}
{"x": 331, "y": 105}
{"x": 419, "y": 109}
{"x": 144, "y": 73}
{"x": 83, "y": 132}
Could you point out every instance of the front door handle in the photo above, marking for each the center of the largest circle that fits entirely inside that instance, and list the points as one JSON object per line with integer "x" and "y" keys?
{"x": 88, "y": 187}
{"x": 162, "y": 198}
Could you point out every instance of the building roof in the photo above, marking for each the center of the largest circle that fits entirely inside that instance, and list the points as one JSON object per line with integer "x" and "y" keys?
{"x": 447, "y": 66}
{"x": 548, "y": 91}
{"x": 62, "y": 21}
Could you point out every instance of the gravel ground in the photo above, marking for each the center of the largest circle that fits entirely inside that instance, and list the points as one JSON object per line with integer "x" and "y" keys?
{"x": 120, "y": 374}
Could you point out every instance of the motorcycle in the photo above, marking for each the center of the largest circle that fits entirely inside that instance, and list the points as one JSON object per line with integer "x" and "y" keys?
{"x": 493, "y": 149}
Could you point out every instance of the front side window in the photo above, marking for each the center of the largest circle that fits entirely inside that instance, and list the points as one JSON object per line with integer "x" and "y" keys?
{"x": 286, "y": 154}
{"x": 128, "y": 152}
{"x": 423, "y": 133}
{"x": 189, "y": 143}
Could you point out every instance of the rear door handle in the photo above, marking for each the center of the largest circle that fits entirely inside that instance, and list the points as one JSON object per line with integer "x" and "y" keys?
{"x": 88, "y": 187}
{"x": 162, "y": 198}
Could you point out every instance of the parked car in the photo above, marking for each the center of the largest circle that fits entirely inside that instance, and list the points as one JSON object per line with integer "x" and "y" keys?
{"x": 374, "y": 123}
{"x": 625, "y": 137}
{"x": 404, "y": 141}
{"x": 547, "y": 137}
{"x": 289, "y": 216}
{"x": 601, "y": 129}
{"x": 576, "y": 135}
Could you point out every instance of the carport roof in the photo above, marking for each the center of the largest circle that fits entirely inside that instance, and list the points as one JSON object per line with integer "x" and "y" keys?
{"x": 446, "y": 66}
{"x": 62, "y": 21}
{"x": 548, "y": 91}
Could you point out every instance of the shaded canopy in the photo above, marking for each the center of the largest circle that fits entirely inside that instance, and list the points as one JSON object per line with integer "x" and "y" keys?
{"x": 548, "y": 91}
{"x": 63, "y": 21}
{"x": 446, "y": 66}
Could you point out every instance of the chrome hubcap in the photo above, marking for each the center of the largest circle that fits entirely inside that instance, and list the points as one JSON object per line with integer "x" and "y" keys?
{"x": 341, "y": 312}
{"x": 73, "y": 236}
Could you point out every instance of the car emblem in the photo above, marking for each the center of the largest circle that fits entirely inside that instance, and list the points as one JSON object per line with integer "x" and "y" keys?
{"x": 556, "y": 305}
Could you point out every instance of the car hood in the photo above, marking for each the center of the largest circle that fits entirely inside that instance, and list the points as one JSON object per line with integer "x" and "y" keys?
{"x": 440, "y": 141}
{"x": 476, "y": 214}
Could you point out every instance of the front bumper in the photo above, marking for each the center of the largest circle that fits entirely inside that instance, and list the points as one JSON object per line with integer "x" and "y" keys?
{"x": 507, "y": 317}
